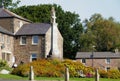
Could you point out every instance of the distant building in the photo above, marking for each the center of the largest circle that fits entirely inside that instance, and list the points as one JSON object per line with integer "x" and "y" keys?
{"x": 24, "y": 41}
{"x": 102, "y": 60}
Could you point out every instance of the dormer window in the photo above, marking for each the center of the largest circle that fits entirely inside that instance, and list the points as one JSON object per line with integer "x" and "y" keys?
{"x": 35, "y": 40}
{"x": 23, "y": 40}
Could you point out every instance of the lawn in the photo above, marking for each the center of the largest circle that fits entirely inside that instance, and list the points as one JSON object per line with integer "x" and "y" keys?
{"x": 14, "y": 77}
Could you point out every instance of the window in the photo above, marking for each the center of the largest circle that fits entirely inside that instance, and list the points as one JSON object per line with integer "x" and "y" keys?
{"x": 34, "y": 40}
{"x": 108, "y": 61}
{"x": 8, "y": 40}
{"x": 33, "y": 56}
{"x": 2, "y": 38}
{"x": 23, "y": 40}
{"x": 3, "y": 56}
{"x": 107, "y": 68}
{"x": 83, "y": 60}
{"x": 8, "y": 57}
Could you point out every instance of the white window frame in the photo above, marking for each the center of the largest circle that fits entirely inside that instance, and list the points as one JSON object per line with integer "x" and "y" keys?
{"x": 84, "y": 60}
{"x": 33, "y": 43}
{"x": 21, "y": 43}
{"x": 107, "y": 60}
{"x": 31, "y": 57}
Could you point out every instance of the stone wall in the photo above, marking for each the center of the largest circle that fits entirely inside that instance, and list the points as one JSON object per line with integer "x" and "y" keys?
{"x": 7, "y": 23}
{"x": 23, "y": 52}
{"x": 12, "y": 24}
{"x": 6, "y": 48}
{"x": 18, "y": 24}
{"x": 57, "y": 43}
{"x": 47, "y": 43}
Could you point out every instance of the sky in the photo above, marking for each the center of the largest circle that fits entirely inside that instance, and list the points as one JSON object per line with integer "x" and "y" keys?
{"x": 85, "y": 8}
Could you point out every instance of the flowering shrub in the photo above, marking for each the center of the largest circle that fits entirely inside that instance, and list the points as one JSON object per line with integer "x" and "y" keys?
{"x": 51, "y": 68}
{"x": 114, "y": 74}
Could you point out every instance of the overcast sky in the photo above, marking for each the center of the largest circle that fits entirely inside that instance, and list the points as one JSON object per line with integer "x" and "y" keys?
{"x": 85, "y": 8}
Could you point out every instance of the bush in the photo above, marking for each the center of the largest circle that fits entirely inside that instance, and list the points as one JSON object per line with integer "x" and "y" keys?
{"x": 103, "y": 74}
{"x": 3, "y": 63}
{"x": 51, "y": 68}
{"x": 113, "y": 73}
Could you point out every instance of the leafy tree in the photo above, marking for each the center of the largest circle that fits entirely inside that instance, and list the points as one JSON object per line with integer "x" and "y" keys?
{"x": 9, "y": 3}
{"x": 103, "y": 33}
{"x": 68, "y": 23}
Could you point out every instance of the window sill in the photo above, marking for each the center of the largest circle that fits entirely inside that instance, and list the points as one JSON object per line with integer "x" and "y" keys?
{"x": 34, "y": 43}
{"x": 23, "y": 44}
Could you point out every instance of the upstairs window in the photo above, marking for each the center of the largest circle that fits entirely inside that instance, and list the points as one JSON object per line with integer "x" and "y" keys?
{"x": 2, "y": 38}
{"x": 8, "y": 40}
{"x": 23, "y": 40}
{"x": 34, "y": 40}
{"x": 108, "y": 61}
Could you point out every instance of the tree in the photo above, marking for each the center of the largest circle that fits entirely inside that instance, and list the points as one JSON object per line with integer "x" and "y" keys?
{"x": 103, "y": 32}
{"x": 9, "y": 3}
{"x": 69, "y": 24}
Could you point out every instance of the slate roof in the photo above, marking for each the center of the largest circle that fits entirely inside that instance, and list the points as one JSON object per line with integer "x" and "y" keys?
{"x": 34, "y": 29}
{"x": 2, "y": 30}
{"x": 4, "y": 13}
{"x": 97, "y": 55}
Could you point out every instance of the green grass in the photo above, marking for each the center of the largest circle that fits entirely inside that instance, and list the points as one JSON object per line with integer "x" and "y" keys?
{"x": 14, "y": 77}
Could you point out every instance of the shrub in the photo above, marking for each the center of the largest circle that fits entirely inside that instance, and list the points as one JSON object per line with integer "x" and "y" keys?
{"x": 51, "y": 68}
{"x": 3, "y": 63}
{"x": 113, "y": 73}
{"x": 103, "y": 74}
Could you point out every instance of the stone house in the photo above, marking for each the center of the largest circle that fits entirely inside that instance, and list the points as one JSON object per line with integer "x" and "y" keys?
{"x": 29, "y": 41}
{"x": 6, "y": 45}
{"x": 102, "y": 60}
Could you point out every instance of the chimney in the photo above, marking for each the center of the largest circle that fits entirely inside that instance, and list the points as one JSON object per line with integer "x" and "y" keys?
{"x": 2, "y": 4}
{"x": 116, "y": 51}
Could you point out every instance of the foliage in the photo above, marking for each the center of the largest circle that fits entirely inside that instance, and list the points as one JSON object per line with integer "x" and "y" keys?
{"x": 68, "y": 23}
{"x": 113, "y": 73}
{"x": 51, "y": 68}
{"x": 101, "y": 32}
{"x": 10, "y": 3}
{"x": 4, "y": 65}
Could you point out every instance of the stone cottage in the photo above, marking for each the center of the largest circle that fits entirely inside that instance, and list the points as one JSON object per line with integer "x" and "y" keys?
{"x": 24, "y": 41}
{"x": 102, "y": 60}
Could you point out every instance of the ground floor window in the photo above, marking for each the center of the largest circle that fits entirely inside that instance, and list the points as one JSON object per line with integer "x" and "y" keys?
{"x": 107, "y": 68}
{"x": 6, "y": 56}
{"x": 3, "y": 56}
{"x": 33, "y": 56}
{"x": 83, "y": 60}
